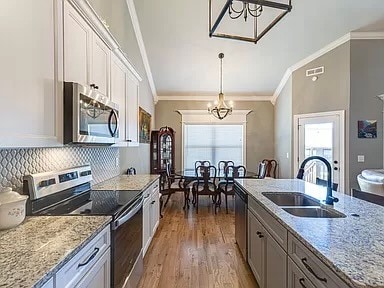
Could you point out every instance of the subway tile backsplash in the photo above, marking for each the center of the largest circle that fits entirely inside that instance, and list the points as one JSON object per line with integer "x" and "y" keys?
{"x": 15, "y": 163}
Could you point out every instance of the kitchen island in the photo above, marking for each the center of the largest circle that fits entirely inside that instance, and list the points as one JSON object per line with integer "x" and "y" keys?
{"x": 33, "y": 252}
{"x": 352, "y": 247}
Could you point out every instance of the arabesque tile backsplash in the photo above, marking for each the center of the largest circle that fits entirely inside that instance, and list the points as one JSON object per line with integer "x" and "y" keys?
{"x": 15, "y": 163}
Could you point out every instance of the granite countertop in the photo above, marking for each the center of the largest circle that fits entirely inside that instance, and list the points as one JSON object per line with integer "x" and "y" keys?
{"x": 31, "y": 253}
{"x": 353, "y": 247}
{"x": 127, "y": 182}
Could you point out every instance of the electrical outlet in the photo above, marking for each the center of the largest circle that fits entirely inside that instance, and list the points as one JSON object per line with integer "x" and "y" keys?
{"x": 287, "y": 155}
{"x": 116, "y": 162}
{"x": 360, "y": 158}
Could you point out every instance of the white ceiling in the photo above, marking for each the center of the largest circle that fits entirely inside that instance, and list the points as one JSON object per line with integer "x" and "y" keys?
{"x": 183, "y": 59}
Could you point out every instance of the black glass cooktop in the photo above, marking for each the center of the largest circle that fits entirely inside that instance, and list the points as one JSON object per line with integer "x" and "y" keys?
{"x": 85, "y": 202}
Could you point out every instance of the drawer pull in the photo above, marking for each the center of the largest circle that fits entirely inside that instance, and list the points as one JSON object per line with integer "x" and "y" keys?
{"x": 309, "y": 268}
{"x": 259, "y": 234}
{"x": 302, "y": 282}
{"x": 89, "y": 259}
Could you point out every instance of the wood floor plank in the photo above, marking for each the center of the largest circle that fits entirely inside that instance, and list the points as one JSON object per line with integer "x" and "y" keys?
{"x": 195, "y": 250}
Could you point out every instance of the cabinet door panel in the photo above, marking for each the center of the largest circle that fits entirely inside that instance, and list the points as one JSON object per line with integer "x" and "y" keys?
{"x": 256, "y": 249}
{"x": 77, "y": 41}
{"x": 132, "y": 110}
{"x": 296, "y": 277}
{"x": 99, "y": 274}
{"x": 146, "y": 224}
{"x": 155, "y": 210}
{"x": 100, "y": 65}
{"x": 118, "y": 92}
{"x": 27, "y": 73}
{"x": 276, "y": 264}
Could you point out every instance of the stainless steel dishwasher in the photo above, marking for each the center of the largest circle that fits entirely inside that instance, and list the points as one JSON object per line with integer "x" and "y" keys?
{"x": 241, "y": 206}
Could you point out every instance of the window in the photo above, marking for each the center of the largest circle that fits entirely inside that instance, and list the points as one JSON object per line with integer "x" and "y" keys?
{"x": 213, "y": 143}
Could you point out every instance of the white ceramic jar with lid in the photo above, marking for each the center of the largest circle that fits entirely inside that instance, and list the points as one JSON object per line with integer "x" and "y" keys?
{"x": 12, "y": 208}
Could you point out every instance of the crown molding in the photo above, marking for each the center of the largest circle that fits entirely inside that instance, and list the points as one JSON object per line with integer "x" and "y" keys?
{"x": 321, "y": 52}
{"x": 212, "y": 98}
{"x": 143, "y": 51}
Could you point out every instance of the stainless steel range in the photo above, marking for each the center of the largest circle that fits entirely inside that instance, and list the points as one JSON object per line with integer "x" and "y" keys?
{"x": 68, "y": 192}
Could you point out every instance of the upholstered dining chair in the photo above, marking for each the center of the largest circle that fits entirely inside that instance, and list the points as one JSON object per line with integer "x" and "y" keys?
{"x": 169, "y": 185}
{"x": 222, "y": 165}
{"x": 202, "y": 163}
{"x": 271, "y": 167}
{"x": 205, "y": 184}
{"x": 227, "y": 187}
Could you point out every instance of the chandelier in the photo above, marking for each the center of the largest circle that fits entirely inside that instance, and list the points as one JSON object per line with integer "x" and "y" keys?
{"x": 249, "y": 8}
{"x": 221, "y": 110}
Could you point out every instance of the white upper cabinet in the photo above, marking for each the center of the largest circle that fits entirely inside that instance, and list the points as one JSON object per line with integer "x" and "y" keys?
{"x": 77, "y": 47}
{"x": 28, "y": 74}
{"x": 100, "y": 65}
{"x": 132, "y": 110}
{"x": 119, "y": 92}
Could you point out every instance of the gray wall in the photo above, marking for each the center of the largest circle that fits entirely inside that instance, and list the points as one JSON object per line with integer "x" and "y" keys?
{"x": 330, "y": 92}
{"x": 367, "y": 69}
{"x": 116, "y": 14}
{"x": 283, "y": 131}
{"x": 260, "y": 127}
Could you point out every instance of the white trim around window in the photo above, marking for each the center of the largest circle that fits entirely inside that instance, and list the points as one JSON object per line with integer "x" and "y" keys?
{"x": 238, "y": 117}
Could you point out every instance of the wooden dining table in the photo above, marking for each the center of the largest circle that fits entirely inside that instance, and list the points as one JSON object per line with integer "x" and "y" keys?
{"x": 188, "y": 176}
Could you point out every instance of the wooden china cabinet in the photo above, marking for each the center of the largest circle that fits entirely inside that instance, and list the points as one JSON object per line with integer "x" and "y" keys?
{"x": 162, "y": 150}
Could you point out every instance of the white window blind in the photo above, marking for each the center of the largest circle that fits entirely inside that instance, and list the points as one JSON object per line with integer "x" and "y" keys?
{"x": 213, "y": 143}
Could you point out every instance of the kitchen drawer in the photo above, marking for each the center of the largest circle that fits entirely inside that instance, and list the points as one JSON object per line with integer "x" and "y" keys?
{"x": 296, "y": 277}
{"x": 71, "y": 273}
{"x": 278, "y": 232}
{"x": 315, "y": 270}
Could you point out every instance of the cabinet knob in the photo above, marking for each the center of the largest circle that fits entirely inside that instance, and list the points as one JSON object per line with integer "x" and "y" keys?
{"x": 258, "y": 233}
{"x": 153, "y": 202}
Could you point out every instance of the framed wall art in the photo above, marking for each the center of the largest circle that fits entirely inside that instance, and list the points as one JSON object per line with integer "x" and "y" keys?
{"x": 144, "y": 126}
{"x": 367, "y": 128}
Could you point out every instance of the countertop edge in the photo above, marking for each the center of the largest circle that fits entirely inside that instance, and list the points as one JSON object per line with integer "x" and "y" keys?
{"x": 69, "y": 256}
{"x": 344, "y": 277}
{"x": 150, "y": 183}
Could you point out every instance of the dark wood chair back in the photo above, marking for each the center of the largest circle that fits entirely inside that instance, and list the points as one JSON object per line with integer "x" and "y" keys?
{"x": 271, "y": 166}
{"x": 222, "y": 165}
{"x": 233, "y": 172}
{"x": 202, "y": 163}
{"x": 261, "y": 170}
{"x": 373, "y": 198}
{"x": 323, "y": 182}
{"x": 206, "y": 179}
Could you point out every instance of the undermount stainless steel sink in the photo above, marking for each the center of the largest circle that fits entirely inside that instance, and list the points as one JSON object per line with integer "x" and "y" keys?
{"x": 291, "y": 199}
{"x": 314, "y": 212}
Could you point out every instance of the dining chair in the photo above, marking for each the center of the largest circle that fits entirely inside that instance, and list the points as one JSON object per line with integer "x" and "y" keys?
{"x": 205, "y": 184}
{"x": 222, "y": 165}
{"x": 370, "y": 197}
{"x": 324, "y": 183}
{"x": 227, "y": 187}
{"x": 271, "y": 167}
{"x": 202, "y": 163}
{"x": 169, "y": 184}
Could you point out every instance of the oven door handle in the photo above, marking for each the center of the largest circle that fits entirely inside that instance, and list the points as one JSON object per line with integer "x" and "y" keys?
{"x": 128, "y": 216}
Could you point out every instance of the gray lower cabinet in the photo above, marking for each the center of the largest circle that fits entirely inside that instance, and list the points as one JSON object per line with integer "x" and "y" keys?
{"x": 296, "y": 277}
{"x": 279, "y": 259}
{"x": 267, "y": 259}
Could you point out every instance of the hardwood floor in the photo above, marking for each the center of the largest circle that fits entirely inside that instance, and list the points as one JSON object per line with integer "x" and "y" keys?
{"x": 195, "y": 250}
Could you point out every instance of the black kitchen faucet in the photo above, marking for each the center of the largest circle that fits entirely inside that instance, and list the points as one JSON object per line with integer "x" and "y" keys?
{"x": 330, "y": 200}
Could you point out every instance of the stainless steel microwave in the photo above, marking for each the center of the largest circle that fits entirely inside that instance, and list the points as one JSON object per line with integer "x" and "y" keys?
{"x": 89, "y": 116}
